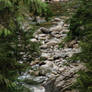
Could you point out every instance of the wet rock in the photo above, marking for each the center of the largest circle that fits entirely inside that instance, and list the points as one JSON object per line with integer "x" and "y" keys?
{"x": 58, "y": 36}
{"x": 51, "y": 43}
{"x": 49, "y": 67}
{"x": 46, "y": 68}
{"x": 61, "y": 23}
{"x": 56, "y": 28}
{"x": 44, "y": 46}
{"x": 33, "y": 40}
{"x": 57, "y": 19}
{"x": 34, "y": 73}
{"x": 34, "y": 88}
{"x": 64, "y": 80}
{"x": 45, "y": 30}
{"x": 67, "y": 50}
{"x": 45, "y": 55}
{"x": 55, "y": 67}
{"x": 43, "y": 38}
{"x": 60, "y": 55}
{"x": 49, "y": 85}
{"x": 42, "y": 35}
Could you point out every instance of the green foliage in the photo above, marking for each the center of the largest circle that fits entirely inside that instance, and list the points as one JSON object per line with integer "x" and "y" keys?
{"x": 81, "y": 28}
{"x": 61, "y": 45}
{"x": 11, "y": 16}
{"x": 39, "y": 8}
{"x": 9, "y": 67}
{"x": 80, "y": 22}
{"x": 84, "y": 82}
{"x": 5, "y": 32}
{"x": 5, "y": 4}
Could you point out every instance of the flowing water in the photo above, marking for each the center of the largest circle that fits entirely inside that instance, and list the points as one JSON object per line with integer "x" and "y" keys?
{"x": 34, "y": 86}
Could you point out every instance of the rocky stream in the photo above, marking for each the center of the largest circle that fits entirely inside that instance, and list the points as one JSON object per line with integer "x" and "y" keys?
{"x": 52, "y": 72}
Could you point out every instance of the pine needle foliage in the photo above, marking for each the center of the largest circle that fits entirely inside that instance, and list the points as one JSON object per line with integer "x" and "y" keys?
{"x": 39, "y": 8}
{"x": 81, "y": 29}
{"x": 11, "y": 15}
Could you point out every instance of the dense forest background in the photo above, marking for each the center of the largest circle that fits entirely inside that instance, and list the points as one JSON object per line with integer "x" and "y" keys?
{"x": 80, "y": 28}
{"x": 14, "y": 39}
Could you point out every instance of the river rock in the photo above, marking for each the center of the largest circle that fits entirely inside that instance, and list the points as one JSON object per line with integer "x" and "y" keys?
{"x": 61, "y": 23}
{"x": 45, "y": 55}
{"x": 49, "y": 67}
{"x": 62, "y": 81}
{"x": 60, "y": 55}
{"x": 44, "y": 46}
{"x": 57, "y": 19}
{"x": 34, "y": 73}
{"x": 44, "y": 30}
{"x": 43, "y": 38}
{"x": 51, "y": 43}
{"x": 56, "y": 28}
{"x": 33, "y": 40}
{"x": 46, "y": 68}
{"x": 42, "y": 35}
{"x": 56, "y": 34}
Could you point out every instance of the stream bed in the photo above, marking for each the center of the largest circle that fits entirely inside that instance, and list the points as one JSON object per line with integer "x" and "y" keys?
{"x": 52, "y": 71}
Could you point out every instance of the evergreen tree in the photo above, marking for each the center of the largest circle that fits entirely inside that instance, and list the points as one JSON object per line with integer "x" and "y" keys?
{"x": 11, "y": 15}
{"x": 81, "y": 29}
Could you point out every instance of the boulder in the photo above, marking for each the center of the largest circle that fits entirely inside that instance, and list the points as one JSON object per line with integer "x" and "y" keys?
{"x": 45, "y": 30}
{"x": 49, "y": 68}
{"x": 65, "y": 79}
{"x": 44, "y": 69}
